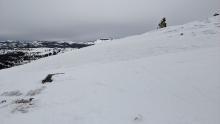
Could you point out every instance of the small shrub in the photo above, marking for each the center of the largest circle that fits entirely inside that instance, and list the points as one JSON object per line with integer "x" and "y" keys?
{"x": 162, "y": 23}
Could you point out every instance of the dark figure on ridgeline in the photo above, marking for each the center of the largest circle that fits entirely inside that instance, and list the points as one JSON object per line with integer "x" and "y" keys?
{"x": 162, "y": 23}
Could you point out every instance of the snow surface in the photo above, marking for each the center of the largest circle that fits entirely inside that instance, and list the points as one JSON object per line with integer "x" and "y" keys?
{"x": 160, "y": 77}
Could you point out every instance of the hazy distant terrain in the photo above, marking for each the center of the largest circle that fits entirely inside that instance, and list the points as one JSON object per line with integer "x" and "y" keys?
{"x": 14, "y": 53}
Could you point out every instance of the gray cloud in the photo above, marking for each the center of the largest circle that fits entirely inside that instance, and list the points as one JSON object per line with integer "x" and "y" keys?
{"x": 82, "y": 20}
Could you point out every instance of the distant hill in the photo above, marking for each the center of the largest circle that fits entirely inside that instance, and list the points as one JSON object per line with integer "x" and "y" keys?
{"x": 14, "y": 53}
{"x": 9, "y": 44}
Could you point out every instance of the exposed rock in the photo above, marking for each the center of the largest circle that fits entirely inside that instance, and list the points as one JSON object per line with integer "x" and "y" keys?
{"x": 48, "y": 78}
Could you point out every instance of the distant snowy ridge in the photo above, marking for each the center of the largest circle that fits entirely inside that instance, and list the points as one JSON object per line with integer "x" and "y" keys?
{"x": 10, "y": 44}
{"x": 14, "y": 53}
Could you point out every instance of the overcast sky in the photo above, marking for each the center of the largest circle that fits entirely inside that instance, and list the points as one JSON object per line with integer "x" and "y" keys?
{"x": 82, "y": 20}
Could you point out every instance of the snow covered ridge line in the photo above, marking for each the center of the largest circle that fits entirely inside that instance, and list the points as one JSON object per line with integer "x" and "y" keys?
{"x": 41, "y": 44}
{"x": 14, "y": 53}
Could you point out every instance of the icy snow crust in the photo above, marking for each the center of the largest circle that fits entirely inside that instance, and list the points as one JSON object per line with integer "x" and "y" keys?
{"x": 166, "y": 76}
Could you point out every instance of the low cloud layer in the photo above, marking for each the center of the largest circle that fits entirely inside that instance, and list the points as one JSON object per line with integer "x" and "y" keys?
{"x": 82, "y": 20}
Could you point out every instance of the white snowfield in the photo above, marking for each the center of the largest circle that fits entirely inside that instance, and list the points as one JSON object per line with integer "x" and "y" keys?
{"x": 166, "y": 76}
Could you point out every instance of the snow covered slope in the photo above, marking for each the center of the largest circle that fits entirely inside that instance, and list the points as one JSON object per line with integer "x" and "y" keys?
{"x": 166, "y": 76}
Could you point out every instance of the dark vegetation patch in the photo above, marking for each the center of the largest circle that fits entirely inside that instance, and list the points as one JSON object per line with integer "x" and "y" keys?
{"x": 23, "y": 105}
{"x": 20, "y": 101}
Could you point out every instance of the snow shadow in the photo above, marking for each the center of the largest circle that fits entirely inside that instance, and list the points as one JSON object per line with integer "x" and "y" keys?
{"x": 12, "y": 93}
